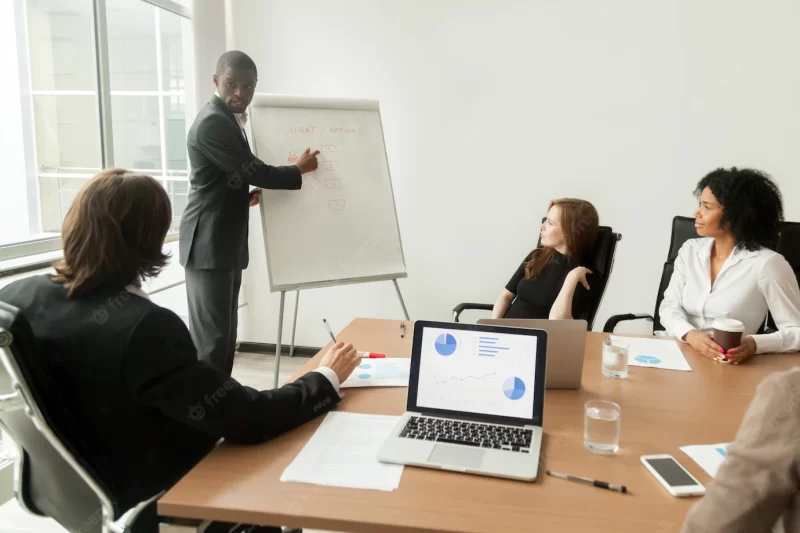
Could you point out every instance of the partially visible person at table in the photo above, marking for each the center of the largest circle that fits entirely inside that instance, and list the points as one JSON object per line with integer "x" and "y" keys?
{"x": 122, "y": 380}
{"x": 757, "y": 488}
{"x": 553, "y": 281}
{"x": 732, "y": 272}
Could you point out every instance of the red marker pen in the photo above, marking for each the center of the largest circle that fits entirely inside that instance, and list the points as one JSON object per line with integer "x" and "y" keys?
{"x": 371, "y": 355}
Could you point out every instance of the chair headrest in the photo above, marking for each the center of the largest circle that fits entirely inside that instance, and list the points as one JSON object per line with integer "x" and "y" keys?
{"x": 789, "y": 244}
{"x": 682, "y": 230}
{"x": 606, "y": 240}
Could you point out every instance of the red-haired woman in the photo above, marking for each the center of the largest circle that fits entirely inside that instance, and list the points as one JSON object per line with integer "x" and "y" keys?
{"x": 552, "y": 280}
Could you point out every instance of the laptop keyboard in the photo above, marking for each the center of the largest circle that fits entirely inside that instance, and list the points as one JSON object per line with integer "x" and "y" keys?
{"x": 468, "y": 433}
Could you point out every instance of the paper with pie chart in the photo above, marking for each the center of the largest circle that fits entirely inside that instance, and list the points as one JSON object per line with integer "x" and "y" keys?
{"x": 477, "y": 372}
{"x": 654, "y": 353}
{"x": 389, "y": 372}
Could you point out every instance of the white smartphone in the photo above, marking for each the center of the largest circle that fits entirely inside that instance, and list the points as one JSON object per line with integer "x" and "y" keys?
{"x": 673, "y": 476}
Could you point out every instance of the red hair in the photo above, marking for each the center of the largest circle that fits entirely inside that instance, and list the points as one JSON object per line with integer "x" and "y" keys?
{"x": 579, "y": 222}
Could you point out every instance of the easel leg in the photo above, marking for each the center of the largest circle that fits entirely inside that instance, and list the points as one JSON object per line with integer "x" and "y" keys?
{"x": 402, "y": 303}
{"x": 294, "y": 323}
{"x": 278, "y": 345}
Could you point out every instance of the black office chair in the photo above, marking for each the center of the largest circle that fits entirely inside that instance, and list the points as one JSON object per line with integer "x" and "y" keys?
{"x": 601, "y": 263}
{"x": 789, "y": 247}
{"x": 50, "y": 478}
{"x": 682, "y": 230}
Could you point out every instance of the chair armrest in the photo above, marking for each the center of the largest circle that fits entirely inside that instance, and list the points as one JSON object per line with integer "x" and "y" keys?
{"x": 462, "y": 307}
{"x": 12, "y": 402}
{"x": 611, "y": 323}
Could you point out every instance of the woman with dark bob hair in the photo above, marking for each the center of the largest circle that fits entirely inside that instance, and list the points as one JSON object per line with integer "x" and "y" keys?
{"x": 732, "y": 271}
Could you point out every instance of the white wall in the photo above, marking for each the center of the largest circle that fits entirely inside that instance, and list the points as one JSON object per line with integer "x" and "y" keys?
{"x": 13, "y": 213}
{"x": 207, "y": 44}
{"x": 490, "y": 109}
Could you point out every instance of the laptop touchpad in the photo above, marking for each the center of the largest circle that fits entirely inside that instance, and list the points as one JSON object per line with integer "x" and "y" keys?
{"x": 447, "y": 454}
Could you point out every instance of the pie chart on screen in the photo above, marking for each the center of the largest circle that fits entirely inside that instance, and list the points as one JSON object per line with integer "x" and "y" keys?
{"x": 445, "y": 344}
{"x": 514, "y": 388}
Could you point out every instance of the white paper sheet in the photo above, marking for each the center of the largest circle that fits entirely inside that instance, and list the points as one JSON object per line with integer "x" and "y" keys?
{"x": 708, "y": 456}
{"x": 380, "y": 373}
{"x": 655, "y": 353}
{"x": 342, "y": 453}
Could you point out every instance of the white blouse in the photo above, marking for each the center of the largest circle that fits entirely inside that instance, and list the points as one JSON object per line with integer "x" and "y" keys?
{"x": 748, "y": 286}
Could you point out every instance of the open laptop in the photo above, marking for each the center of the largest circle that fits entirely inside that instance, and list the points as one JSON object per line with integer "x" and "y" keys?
{"x": 566, "y": 346}
{"x": 475, "y": 401}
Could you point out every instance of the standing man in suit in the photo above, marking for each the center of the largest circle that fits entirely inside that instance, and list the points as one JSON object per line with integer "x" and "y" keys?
{"x": 213, "y": 231}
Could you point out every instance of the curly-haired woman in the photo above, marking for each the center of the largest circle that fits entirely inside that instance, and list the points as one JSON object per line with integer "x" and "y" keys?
{"x": 732, "y": 272}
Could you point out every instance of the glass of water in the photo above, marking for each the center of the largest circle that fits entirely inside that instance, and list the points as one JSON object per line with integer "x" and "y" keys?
{"x": 615, "y": 359}
{"x": 601, "y": 427}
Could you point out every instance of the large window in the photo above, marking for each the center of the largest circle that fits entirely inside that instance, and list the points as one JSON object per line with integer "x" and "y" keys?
{"x": 100, "y": 84}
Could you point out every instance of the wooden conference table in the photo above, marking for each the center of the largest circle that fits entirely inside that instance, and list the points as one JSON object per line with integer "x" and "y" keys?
{"x": 661, "y": 411}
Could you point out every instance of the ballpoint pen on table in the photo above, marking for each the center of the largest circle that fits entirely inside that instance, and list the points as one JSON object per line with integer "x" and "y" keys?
{"x": 601, "y": 484}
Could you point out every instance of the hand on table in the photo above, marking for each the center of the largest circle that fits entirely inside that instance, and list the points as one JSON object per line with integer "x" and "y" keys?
{"x": 704, "y": 343}
{"x": 342, "y": 359}
{"x": 744, "y": 351}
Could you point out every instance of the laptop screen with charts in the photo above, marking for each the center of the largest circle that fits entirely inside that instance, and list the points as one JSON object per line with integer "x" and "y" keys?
{"x": 487, "y": 372}
{"x": 475, "y": 401}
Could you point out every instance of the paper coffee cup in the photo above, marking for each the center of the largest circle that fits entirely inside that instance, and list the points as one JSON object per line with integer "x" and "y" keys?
{"x": 728, "y": 333}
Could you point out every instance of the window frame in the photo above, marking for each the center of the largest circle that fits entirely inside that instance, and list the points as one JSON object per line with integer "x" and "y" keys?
{"x": 102, "y": 90}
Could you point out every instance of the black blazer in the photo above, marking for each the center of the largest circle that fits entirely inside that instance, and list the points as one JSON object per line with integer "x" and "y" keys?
{"x": 125, "y": 389}
{"x": 213, "y": 230}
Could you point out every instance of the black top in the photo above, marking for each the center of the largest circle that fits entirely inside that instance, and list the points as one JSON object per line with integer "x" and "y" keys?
{"x": 123, "y": 387}
{"x": 214, "y": 225}
{"x": 535, "y": 297}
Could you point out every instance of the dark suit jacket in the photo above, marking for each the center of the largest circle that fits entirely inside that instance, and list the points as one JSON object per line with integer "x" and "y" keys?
{"x": 125, "y": 389}
{"x": 213, "y": 230}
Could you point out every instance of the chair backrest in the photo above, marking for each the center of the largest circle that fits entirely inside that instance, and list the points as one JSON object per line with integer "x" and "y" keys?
{"x": 789, "y": 247}
{"x": 600, "y": 262}
{"x": 51, "y": 480}
{"x": 682, "y": 230}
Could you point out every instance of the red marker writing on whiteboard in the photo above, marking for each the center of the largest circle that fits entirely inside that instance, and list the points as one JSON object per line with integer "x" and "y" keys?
{"x": 371, "y": 355}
